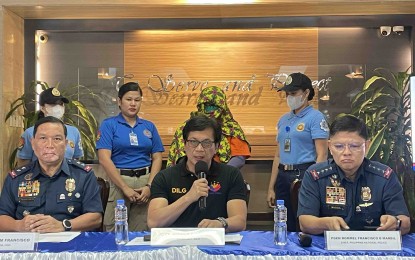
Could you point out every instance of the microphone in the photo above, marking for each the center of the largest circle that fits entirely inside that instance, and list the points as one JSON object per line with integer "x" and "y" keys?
{"x": 304, "y": 239}
{"x": 201, "y": 168}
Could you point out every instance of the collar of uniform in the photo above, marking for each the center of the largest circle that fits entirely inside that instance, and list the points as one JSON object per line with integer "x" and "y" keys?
{"x": 302, "y": 112}
{"x": 185, "y": 172}
{"x": 64, "y": 168}
{"x": 360, "y": 171}
{"x": 122, "y": 120}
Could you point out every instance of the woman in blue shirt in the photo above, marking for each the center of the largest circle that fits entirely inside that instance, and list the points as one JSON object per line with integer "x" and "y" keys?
{"x": 130, "y": 151}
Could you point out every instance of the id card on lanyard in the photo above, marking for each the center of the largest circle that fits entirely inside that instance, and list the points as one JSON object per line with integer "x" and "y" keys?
{"x": 133, "y": 139}
{"x": 287, "y": 141}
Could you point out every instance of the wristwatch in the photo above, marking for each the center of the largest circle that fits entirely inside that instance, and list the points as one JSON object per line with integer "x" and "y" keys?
{"x": 67, "y": 225}
{"x": 223, "y": 221}
{"x": 398, "y": 223}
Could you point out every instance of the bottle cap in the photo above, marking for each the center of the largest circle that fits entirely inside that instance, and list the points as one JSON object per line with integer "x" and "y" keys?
{"x": 120, "y": 202}
{"x": 280, "y": 202}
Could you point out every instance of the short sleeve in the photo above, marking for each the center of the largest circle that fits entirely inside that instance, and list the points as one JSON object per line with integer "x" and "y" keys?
{"x": 309, "y": 196}
{"x": 105, "y": 136}
{"x": 25, "y": 150}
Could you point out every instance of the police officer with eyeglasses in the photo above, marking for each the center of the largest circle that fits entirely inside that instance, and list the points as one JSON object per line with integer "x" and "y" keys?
{"x": 351, "y": 191}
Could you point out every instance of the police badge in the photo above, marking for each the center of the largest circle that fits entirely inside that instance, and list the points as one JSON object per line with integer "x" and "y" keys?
{"x": 70, "y": 186}
{"x": 366, "y": 194}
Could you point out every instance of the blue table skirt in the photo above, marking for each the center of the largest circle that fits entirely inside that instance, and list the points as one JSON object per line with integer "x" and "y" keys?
{"x": 254, "y": 243}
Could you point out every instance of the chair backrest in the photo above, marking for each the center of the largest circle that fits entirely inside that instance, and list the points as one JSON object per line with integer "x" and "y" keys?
{"x": 248, "y": 192}
{"x": 294, "y": 190}
{"x": 104, "y": 192}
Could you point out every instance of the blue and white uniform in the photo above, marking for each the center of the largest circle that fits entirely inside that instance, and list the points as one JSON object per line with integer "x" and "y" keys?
{"x": 73, "y": 148}
{"x": 296, "y": 135}
{"x": 71, "y": 192}
{"x": 376, "y": 191}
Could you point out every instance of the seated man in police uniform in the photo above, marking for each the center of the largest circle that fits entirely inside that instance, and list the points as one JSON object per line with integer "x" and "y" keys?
{"x": 351, "y": 192}
{"x": 176, "y": 190}
{"x": 51, "y": 194}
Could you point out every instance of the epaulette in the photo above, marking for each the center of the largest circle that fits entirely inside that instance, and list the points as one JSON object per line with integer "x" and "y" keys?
{"x": 379, "y": 169}
{"x": 321, "y": 172}
{"x": 79, "y": 164}
{"x": 18, "y": 171}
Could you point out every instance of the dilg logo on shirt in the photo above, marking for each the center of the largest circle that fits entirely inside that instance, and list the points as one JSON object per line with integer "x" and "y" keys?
{"x": 178, "y": 190}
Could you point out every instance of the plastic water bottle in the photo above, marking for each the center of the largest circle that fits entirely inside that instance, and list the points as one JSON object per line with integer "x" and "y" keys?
{"x": 121, "y": 223}
{"x": 280, "y": 223}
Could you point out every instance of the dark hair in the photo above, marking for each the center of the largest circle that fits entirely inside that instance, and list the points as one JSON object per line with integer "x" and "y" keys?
{"x": 200, "y": 123}
{"x": 129, "y": 86}
{"x": 49, "y": 119}
{"x": 349, "y": 123}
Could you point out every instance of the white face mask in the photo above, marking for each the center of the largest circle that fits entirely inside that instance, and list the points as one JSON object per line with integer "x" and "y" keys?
{"x": 295, "y": 102}
{"x": 55, "y": 111}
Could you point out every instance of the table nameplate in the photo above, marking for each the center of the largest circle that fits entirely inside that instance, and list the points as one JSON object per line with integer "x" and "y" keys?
{"x": 363, "y": 240}
{"x": 17, "y": 241}
{"x": 187, "y": 236}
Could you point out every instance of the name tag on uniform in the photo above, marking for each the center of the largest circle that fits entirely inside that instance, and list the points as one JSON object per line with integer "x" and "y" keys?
{"x": 133, "y": 139}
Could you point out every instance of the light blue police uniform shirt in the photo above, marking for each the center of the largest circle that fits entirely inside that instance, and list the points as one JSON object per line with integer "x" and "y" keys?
{"x": 73, "y": 148}
{"x": 302, "y": 129}
{"x": 114, "y": 135}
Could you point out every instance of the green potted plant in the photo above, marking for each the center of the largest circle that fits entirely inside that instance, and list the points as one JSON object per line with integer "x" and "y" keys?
{"x": 384, "y": 104}
{"x": 76, "y": 114}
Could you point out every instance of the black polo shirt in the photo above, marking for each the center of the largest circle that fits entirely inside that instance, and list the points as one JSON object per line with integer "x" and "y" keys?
{"x": 225, "y": 183}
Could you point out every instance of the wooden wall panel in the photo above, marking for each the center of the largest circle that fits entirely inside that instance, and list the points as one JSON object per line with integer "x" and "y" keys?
{"x": 11, "y": 81}
{"x": 219, "y": 57}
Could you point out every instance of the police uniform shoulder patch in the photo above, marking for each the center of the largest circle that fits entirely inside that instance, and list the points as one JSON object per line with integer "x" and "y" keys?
{"x": 81, "y": 165}
{"x": 379, "y": 169}
{"x": 19, "y": 171}
{"x": 321, "y": 172}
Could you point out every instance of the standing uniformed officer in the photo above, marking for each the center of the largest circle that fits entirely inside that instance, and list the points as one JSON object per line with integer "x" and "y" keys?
{"x": 51, "y": 103}
{"x": 51, "y": 194}
{"x": 351, "y": 191}
{"x": 302, "y": 141}
{"x": 129, "y": 150}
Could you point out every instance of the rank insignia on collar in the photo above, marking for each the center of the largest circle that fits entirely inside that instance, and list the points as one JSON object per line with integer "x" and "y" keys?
{"x": 28, "y": 176}
{"x": 366, "y": 194}
{"x": 70, "y": 209}
{"x": 334, "y": 180}
{"x": 70, "y": 186}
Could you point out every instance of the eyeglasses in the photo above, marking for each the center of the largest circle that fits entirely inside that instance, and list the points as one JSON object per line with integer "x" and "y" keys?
{"x": 353, "y": 147}
{"x": 195, "y": 143}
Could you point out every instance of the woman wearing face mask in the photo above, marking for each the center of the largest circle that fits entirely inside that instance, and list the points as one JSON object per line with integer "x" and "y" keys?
{"x": 51, "y": 104}
{"x": 233, "y": 148}
{"x": 302, "y": 141}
